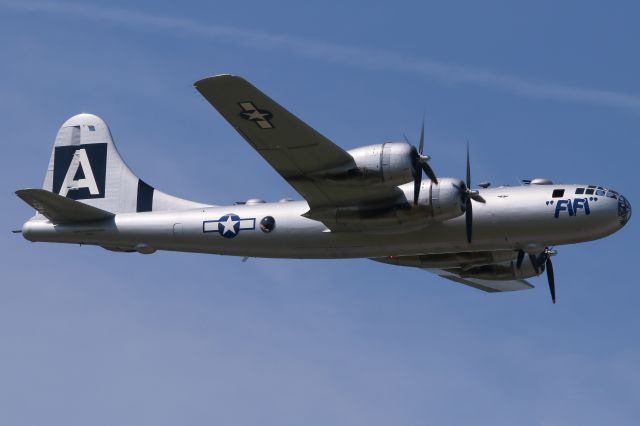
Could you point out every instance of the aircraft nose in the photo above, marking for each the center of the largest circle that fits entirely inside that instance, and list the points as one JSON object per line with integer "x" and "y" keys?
{"x": 624, "y": 210}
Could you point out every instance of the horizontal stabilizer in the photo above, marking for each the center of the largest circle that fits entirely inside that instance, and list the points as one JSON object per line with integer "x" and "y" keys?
{"x": 59, "y": 209}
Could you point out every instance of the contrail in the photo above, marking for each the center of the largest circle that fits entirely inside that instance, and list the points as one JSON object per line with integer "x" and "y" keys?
{"x": 359, "y": 57}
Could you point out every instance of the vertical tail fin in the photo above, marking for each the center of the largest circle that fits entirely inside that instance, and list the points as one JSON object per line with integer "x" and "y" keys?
{"x": 86, "y": 166}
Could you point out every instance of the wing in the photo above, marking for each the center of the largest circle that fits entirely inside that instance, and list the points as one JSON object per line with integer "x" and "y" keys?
{"x": 484, "y": 285}
{"x": 301, "y": 155}
{"x": 447, "y": 266}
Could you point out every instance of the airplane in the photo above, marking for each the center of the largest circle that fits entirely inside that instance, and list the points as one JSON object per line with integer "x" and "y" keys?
{"x": 369, "y": 202}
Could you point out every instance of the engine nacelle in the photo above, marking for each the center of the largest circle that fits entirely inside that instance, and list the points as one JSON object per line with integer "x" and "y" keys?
{"x": 440, "y": 201}
{"x": 502, "y": 271}
{"x": 388, "y": 163}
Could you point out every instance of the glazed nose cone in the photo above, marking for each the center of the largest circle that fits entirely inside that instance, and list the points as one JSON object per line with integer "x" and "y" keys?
{"x": 624, "y": 210}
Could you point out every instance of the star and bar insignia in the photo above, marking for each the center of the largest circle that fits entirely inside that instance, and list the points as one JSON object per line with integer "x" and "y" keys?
{"x": 229, "y": 225}
{"x": 259, "y": 116}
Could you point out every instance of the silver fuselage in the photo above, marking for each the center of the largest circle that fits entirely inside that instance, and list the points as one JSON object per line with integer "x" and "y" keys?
{"x": 525, "y": 217}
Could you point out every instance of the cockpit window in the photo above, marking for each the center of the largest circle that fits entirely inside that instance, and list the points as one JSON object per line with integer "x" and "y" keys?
{"x": 579, "y": 190}
{"x": 612, "y": 194}
{"x": 589, "y": 191}
{"x": 558, "y": 193}
{"x": 591, "y": 186}
{"x": 600, "y": 192}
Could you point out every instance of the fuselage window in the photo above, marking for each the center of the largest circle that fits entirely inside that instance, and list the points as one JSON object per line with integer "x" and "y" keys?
{"x": 589, "y": 191}
{"x": 267, "y": 224}
{"x": 558, "y": 193}
{"x": 579, "y": 190}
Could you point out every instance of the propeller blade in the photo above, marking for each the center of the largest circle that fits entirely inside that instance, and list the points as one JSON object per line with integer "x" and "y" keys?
{"x": 417, "y": 183}
{"x": 551, "y": 279}
{"x": 427, "y": 169}
{"x": 420, "y": 164}
{"x": 474, "y": 195}
{"x": 520, "y": 258}
{"x": 469, "y": 219}
{"x": 421, "y": 145}
{"x": 468, "y": 168}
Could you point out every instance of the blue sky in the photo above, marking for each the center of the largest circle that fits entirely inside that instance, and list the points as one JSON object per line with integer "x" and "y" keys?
{"x": 540, "y": 90}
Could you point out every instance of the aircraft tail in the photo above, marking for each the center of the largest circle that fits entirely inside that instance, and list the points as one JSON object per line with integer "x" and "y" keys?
{"x": 85, "y": 166}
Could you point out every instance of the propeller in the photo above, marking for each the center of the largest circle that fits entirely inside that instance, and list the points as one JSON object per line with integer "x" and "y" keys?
{"x": 467, "y": 194}
{"x": 544, "y": 261}
{"x": 540, "y": 263}
{"x": 420, "y": 163}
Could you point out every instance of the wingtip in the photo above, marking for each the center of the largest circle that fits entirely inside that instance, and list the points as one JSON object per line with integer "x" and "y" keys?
{"x": 214, "y": 77}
